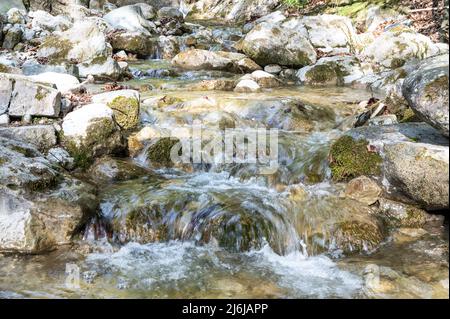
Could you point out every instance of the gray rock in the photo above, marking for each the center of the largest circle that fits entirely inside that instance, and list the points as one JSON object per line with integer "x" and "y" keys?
{"x": 28, "y": 97}
{"x": 41, "y": 136}
{"x": 269, "y": 44}
{"x": 12, "y": 37}
{"x": 415, "y": 161}
{"x": 41, "y": 209}
{"x": 91, "y": 132}
{"x": 426, "y": 91}
{"x": 61, "y": 157}
{"x": 170, "y": 13}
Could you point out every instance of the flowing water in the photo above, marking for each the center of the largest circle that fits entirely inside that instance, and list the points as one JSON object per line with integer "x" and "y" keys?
{"x": 224, "y": 230}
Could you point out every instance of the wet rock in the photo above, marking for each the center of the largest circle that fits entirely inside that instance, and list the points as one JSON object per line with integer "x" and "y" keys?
{"x": 160, "y": 152}
{"x": 268, "y": 44}
{"x": 41, "y": 136}
{"x": 45, "y": 21}
{"x": 108, "y": 169}
{"x": 247, "y": 86}
{"x": 364, "y": 190}
{"x": 61, "y": 157}
{"x": 274, "y": 69}
{"x": 426, "y": 90}
{"x": 125, "y": 105}
{"x": 218, "y": 85}
{"x": 397, "y": 214}
{"x": 398, "y": 45}
{"x": 265, "y": 80}
{"x": 91, "y": 132}
{"x": 420, "y": 171}
{"x": 28, "y": 97}
{"x": 338, "y": 224}
{"x": 63, "y": 82}
{"x": 41, "y": 209}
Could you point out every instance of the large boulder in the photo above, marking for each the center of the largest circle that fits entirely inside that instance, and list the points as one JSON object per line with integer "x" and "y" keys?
{"x": 40, "y": 208}
{"x": 125, "y": 105}
{"x": 63, "y": 82}
{"x": 426, "y": 90}
{"x": 134, "y": 42}
{"x": 43, "y": 137}
{"x": 45, "y": 21}
{"x": 336, "y": 70}
{"x": 268, "y": 44}
{"x": 415, "y": 161}
{"x": 84, "y": 44}
{"x": 395, "y": 47}
{"x": 91, "y": 131}
{"x": 196, "y": 59}
{"x": 22, "y": 96}
{"x": 129, "y": 18}
{"x": 328, "y": 33}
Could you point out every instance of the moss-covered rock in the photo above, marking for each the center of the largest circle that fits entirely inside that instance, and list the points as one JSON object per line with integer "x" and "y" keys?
{"x": 396, "y": 214}
{"x": 126, "y": 111}
{"x": 90, "y": 132}
{"x": 125, "y": 105}
{"x": 159, "y": 153}
{"x": 136, "y": 43}
{"x": 350, "y": 158}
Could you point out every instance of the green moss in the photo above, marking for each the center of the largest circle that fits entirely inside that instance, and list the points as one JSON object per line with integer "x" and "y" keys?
{"x": 99, "y": 60}
{"x": 328, "y": 73}
{"x": 126, "y": 111}
{"x": 4, "y": 68}
{"x": 41, "y": 93}
{"x": 60, "y": 49}
{"x": 407, "y": 116}
{"x": 159, "y": 152}
{"x": 2, "y": 161}
{"x": 360, "y": 235}
{"x": 81, "y": 154}
{"x": 350, "y": 158}
{"x": 98, "y": 134}
{"x": 397, "y": 63}
{"x": 321, "y": 74}
{"x": 352, "y": 10}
